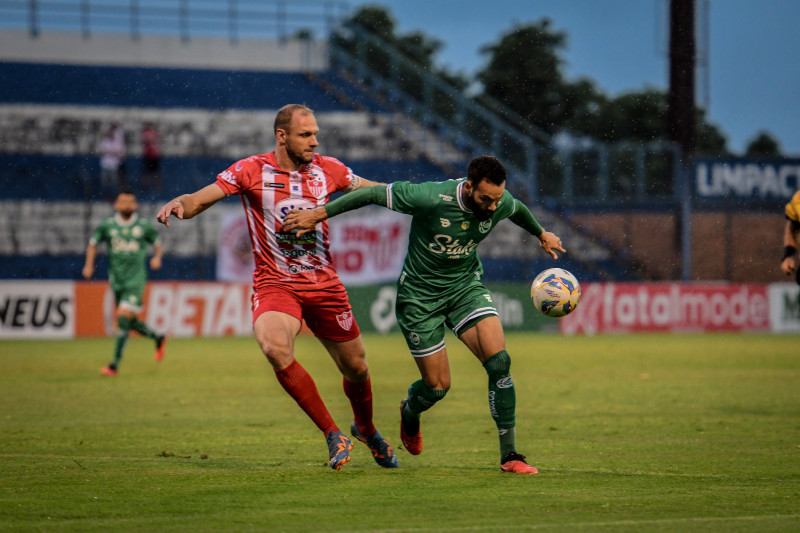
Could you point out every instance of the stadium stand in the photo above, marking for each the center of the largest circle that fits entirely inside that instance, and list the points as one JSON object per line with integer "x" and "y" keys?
{"x": 208, "y": 118}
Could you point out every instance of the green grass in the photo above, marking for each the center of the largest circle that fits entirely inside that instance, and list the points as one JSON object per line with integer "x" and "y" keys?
{"x": 630, "y": 433}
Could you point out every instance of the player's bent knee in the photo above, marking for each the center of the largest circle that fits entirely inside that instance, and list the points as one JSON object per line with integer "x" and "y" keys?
{"x": 499, "y": 363}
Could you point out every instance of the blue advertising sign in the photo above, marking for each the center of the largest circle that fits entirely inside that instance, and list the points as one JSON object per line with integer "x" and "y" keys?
{"x": 744, "y": 178}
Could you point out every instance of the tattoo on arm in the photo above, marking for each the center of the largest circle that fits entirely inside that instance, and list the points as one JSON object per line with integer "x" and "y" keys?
{"x": 355, "y": 183}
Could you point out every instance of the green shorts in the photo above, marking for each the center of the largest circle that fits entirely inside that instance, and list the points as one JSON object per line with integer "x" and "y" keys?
{"x": 129, "y": 297}
{"x": 422, "y": 316}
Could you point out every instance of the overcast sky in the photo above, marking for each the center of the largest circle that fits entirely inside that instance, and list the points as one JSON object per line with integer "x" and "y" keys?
{"x": 752, "y": 81}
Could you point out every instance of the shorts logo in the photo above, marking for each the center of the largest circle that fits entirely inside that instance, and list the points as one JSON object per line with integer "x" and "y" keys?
{"x": 505, "y": 383}
{"x": 485, "y": 226}
{"x": 414, "y": 338}
{"x": 465, "y": 225}
{"x": 445, "y": 222}
{"x": 345, "y": 320}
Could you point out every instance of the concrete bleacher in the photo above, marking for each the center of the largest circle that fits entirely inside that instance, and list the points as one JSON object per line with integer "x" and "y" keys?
{"x": 208, "y": 118}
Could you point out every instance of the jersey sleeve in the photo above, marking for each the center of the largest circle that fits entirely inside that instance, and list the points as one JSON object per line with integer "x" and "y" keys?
{"x": 99, "y": 234}
{"x": 238, "y": 177}
{"x": 339, "y": 173}
{"x": 409, "y": 198}
{"x": 793, "y": 208}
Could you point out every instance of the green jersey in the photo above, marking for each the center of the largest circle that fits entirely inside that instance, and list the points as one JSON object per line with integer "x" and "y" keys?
{"x": 127, "y": 249}
{"x": 444, "y": 235}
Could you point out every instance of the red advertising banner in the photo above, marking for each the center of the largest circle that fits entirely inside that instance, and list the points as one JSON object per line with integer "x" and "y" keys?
{"x": 668, "y": 307}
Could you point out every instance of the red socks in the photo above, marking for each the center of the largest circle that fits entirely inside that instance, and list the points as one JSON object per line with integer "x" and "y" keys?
{"x": 301, "y": 387}
{"x": 360, "y": 396}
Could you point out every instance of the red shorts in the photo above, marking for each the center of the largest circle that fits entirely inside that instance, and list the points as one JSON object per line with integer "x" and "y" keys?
{"x": 327, "y": 312}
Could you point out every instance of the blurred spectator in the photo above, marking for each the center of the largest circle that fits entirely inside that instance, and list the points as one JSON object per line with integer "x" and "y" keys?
{"x": 151, "y": 157}
{"x": 112, "y": 155}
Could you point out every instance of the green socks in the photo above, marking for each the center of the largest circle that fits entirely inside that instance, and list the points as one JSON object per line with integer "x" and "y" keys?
{"x": 123, "y": 325}
{"x": 421, "y": 398}
{"x": 140, "y": 327}
{"x": 502, "y": 399}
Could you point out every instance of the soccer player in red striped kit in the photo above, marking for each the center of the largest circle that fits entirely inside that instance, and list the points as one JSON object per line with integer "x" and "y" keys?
{"x": 294, "y": 277}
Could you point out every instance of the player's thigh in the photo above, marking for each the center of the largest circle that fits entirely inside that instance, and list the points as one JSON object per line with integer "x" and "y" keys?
{"x": 473, "y": 318}
{"x": 275, "y": 333}
{"x": 350, "y": 358}
{"x": 485, "y": 338}
{"x": 435, "y": 369}
{"x": 276, "y": 323}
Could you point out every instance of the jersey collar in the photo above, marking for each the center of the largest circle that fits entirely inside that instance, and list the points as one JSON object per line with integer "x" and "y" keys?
{"x": 460, "y": 198}
{"x": 122, "y": 222}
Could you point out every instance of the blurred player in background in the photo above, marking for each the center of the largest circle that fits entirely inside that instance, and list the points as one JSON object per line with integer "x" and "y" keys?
{"x": 440, "y": 285}
{"x": 790, "y": 237}
{"x": 294, "y": 278}
{"x": 128, "y": 237}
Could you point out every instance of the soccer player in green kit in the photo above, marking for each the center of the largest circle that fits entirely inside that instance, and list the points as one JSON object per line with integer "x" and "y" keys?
{"x": 128, "y": 237}
{"x": 440, "y": 285}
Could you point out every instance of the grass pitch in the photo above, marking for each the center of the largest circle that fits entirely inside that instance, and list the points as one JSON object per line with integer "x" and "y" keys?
{"x": 630, "y": 433}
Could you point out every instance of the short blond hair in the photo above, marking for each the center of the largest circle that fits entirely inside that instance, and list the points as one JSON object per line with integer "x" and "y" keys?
{"x": 283, "y": 120}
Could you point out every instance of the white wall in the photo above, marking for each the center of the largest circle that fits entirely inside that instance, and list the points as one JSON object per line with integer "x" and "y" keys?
{"x": 162, "y": 51}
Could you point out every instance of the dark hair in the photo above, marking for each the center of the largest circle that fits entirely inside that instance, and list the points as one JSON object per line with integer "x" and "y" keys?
{"x": 283, "y": 119}
{"x": 486, "y": 166}
{"x": 126, "y": 190}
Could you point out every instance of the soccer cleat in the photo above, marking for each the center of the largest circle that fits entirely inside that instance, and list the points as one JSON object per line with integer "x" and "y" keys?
{"x": 412, "y": 440}
{"x": 339, "y": 447}
{"x": 108, "y": 371}
{"x": 515, "y": 463}
{"x": 160, "y": 342}
{"x": 381, "y": 450}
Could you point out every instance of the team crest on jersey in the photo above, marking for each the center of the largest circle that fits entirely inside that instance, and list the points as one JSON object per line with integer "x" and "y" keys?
{"x": 137, "y": 232}
{"x": 445, "y": 222}
{"x": 315, "y": 185}
{"x": 345, "y": 320}
{"x": 465, "y": 225}
{"x": 485, "y": 226}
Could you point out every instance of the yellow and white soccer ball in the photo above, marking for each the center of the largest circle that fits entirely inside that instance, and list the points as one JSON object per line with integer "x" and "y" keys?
{"x": 555, "y": 292}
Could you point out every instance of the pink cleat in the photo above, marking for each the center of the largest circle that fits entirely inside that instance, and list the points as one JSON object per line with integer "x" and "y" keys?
{"x": 515, "y": 463}
{"x": 108, "y": 371}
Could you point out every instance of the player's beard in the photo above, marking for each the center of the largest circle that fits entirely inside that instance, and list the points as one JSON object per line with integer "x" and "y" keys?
{"x": 126, "y": 214}
{"x": 299, "y": 158}
{"x": 480, "y": 214}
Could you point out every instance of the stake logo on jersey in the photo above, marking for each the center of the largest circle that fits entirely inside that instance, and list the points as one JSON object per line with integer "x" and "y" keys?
{"x": 127, "y": 248}
{"x": 268, "y": 193}
{"x": 445, "y": 233}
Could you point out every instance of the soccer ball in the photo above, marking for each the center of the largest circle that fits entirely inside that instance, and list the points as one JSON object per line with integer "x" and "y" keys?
{"x": 555, "y": 292}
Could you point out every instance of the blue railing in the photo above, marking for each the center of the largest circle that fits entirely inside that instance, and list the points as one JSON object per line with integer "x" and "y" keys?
{"x": 230, "y": 19}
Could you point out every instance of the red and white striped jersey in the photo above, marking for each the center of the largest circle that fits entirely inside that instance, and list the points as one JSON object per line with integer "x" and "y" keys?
{"x": 268, "y": 193}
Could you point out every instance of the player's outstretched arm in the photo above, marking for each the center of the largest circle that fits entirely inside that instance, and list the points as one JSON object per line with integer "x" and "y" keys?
{"x": 189, "y": 205}
{"x": 306, "y": 220}
{"x": 155, "y": 261}
{"x": 550, "y": 242}
{"x": 88, "y": 265}
{"x": 523, "y": 218}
